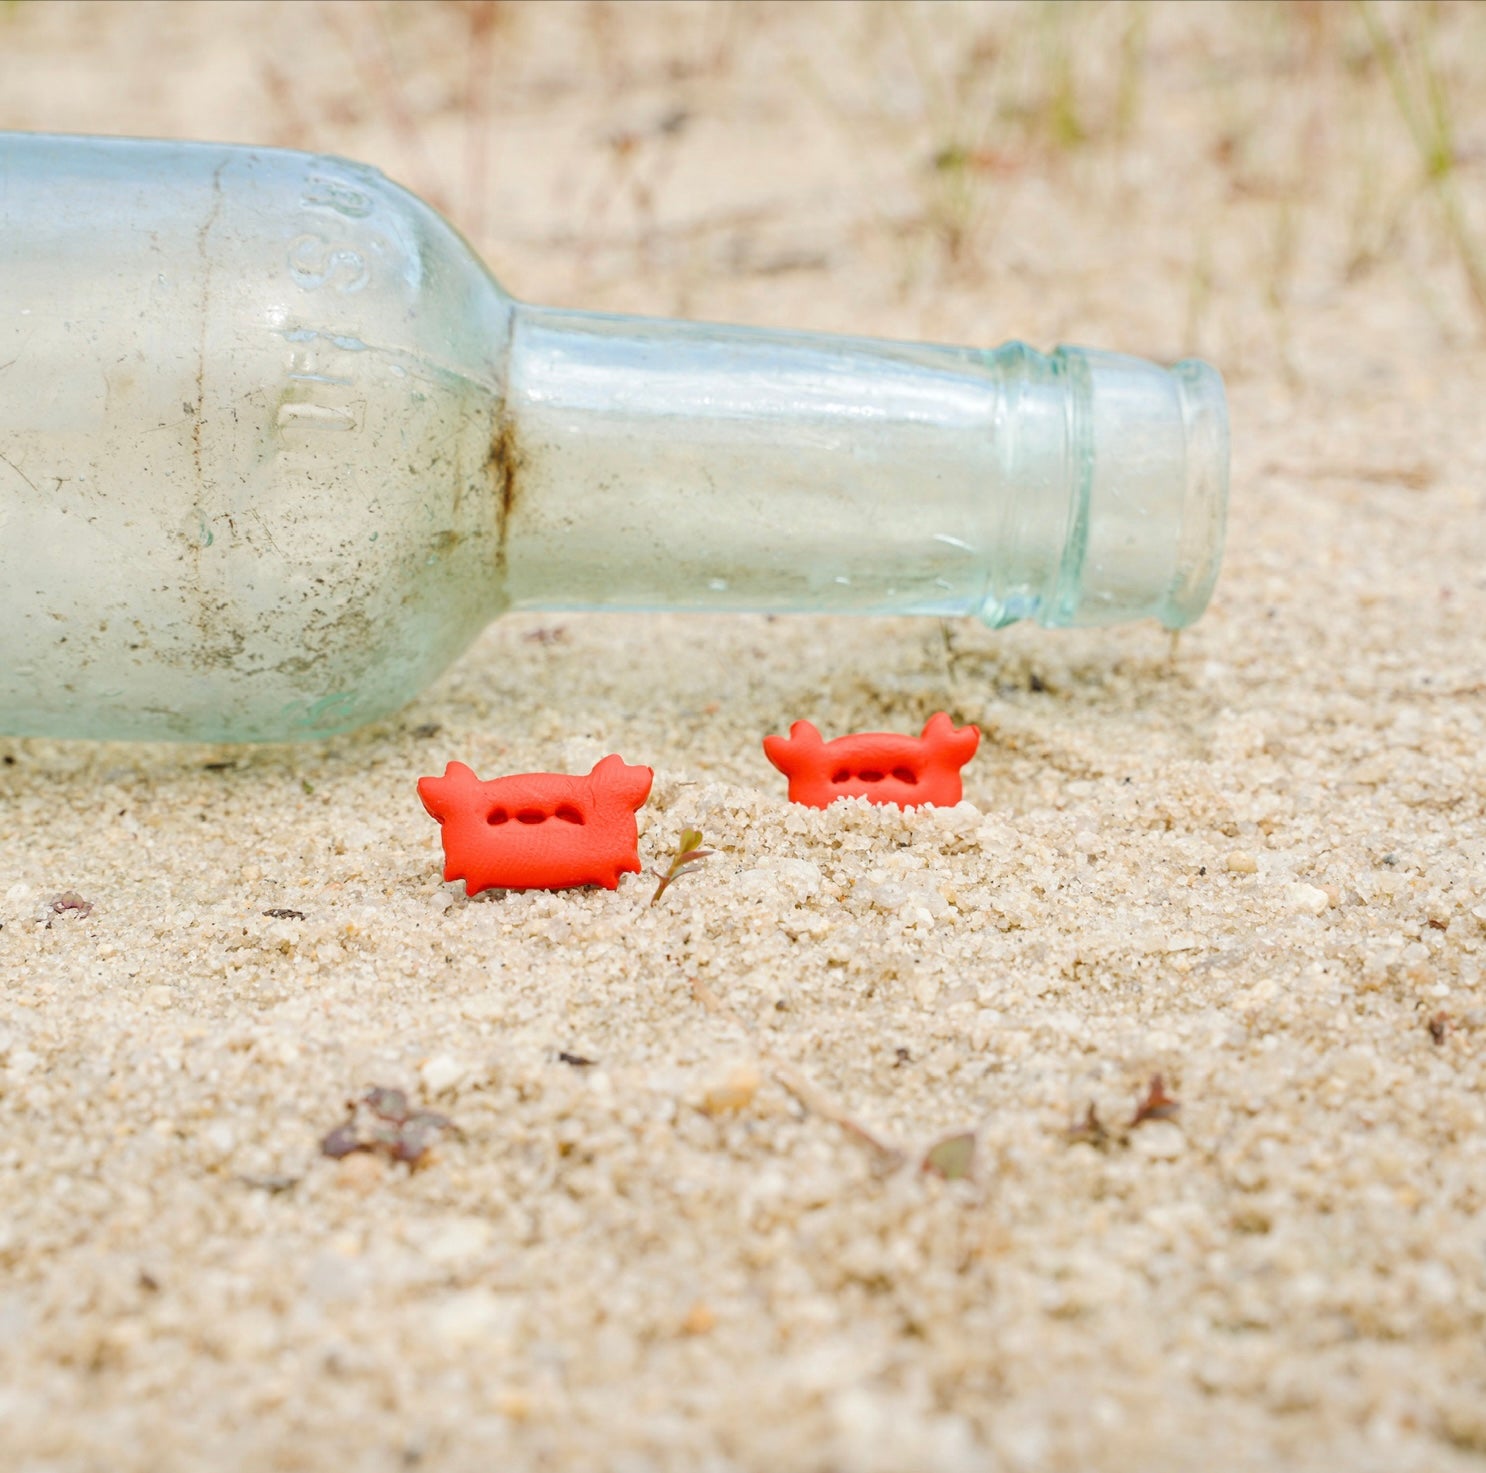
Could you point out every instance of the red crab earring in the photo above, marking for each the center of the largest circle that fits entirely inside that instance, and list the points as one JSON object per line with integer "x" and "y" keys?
{"x": 539, "y": 830}
{"x": 878, "y": 765}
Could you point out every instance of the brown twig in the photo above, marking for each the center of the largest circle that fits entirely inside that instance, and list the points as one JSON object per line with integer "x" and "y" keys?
{"x": 1155, "y": 1104}
{"x": 810, "y": 1096}
{"x": 1419, "y": 95}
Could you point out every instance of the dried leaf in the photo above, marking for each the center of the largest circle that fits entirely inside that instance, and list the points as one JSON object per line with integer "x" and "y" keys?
{"x": 953, "y": 1158}
{"x": 390, "y": 1104}
{"x": 340, "y": 1142}
{"x": 414, "y": 1139}
{"x": 382, "y": 1122}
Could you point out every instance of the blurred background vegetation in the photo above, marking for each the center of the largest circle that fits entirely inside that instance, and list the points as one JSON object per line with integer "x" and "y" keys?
{"x": 1249, "y": 181}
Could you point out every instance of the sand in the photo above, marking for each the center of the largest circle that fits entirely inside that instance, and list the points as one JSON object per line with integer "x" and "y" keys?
{"x": 1253, "y": 863}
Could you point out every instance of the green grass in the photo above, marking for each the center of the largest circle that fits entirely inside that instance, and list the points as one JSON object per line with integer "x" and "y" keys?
{"x": 1424, "y": 103}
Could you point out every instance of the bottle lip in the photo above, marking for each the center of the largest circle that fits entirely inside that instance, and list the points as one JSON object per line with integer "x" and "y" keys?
{"x": 1204, "y": 408}
{"x": 1147, "y": 477}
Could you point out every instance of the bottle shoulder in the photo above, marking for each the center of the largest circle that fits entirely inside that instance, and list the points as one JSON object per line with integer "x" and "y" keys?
{"x": 281, "y": 239}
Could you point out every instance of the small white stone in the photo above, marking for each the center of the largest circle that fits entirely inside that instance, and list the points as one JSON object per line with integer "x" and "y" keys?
{"x": 440, "y": 1073}
{"x": 457, "y": 1241}
{"x": 789, "y": 879}
{"x": 933, "y": 901}
{"x": 272, "y": 1049}
{"x": 473, "y": 1317}
{"x": 216, "y": 1143}
{"x": 734, "y": 1091}
{"x": 1311, "y": 900}
{"x": 21, "y": 1062}
{"x": 885, "y": 896}
{"x": 926, "y": 991}
{"x": 799, "y": 877}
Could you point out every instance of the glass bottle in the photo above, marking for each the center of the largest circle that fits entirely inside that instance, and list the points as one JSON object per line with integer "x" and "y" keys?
{"x": 274, "y": 446}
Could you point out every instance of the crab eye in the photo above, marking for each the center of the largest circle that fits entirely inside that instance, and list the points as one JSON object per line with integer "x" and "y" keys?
{"x": 498, "y": 815}
{"x": 843, "y": 776}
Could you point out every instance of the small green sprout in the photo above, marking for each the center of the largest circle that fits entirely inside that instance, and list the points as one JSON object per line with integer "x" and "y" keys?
{"x": 689, "y": 855}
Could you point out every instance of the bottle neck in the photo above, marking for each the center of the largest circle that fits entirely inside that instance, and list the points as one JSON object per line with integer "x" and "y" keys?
{"x": 668, "y": 465}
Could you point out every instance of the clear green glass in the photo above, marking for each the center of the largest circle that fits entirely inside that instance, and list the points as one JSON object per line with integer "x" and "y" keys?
{"x": 274, "y": 446}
